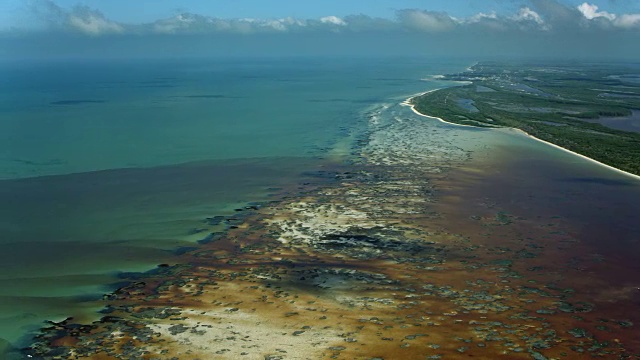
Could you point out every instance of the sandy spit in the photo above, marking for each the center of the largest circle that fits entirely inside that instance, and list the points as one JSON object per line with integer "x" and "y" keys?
{"x": 407, "y": 102}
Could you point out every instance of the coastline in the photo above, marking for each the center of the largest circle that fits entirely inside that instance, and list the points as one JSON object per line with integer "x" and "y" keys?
{"x": 407, "y": 102}
{"x": 340, "y": 271}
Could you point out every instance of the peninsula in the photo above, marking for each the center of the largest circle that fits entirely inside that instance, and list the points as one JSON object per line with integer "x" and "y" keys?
{"x": 591, "y": 110}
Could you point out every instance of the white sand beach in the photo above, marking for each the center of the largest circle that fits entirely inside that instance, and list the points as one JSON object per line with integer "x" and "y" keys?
{"x": 407, "y": 102}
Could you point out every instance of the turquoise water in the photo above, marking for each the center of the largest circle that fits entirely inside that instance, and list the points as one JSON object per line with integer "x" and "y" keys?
{"x": 109, "y": 167}
{"x": 75, "y": 116}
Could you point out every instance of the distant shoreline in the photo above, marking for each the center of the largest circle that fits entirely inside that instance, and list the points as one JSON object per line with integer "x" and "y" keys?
{"x": 407, "y": 102}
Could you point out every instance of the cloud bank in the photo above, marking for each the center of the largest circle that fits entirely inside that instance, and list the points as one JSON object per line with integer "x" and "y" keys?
{"x": 539, "y": 15}
{"x": 536, "y": 25}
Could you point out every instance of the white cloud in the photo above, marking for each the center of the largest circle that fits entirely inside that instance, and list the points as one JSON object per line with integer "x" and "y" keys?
{"x": 333, "y": 20}
{"x": 543, "y": 15}
{"x": 528, "y": 20}
{"x": 628, "y": 21}
{"x": 198, "y": 24}
{"x": 590, "y": 12}
{"x": 426, "y": 20}
{"x": 481, "y": 16}
{"x": 624, "y": 21}
{"x": 359, "y": 23}
{"x": 293, "y": 22}
{"x": 94, "y": 25}
{"x": 556, "y": 14}
{"x": 488, "y": 21}
{"x": 275, "y": 25}
{"x": 80, "y": 19}
{"x": 526, "y": 14}
{"x": 169, "y": 26}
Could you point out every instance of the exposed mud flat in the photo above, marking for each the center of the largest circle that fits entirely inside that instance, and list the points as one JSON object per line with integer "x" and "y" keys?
{"x": 389, "y": 262}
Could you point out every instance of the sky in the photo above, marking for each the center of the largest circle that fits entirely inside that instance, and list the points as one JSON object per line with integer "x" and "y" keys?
{"x": 152, "y": 28}
{"x": 140, "y": 11}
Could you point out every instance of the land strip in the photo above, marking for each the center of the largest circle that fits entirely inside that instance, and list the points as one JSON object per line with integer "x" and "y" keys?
{"x": 559, "y": 104}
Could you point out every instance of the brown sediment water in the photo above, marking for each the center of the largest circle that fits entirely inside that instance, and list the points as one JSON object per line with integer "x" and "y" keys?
{"x": 425, "y": 250}
{"x": 67, "y": 239}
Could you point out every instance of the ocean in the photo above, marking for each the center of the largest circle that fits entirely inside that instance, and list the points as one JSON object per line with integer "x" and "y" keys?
{"x": 110, "y": 167}
{"x": 113, "y": 168}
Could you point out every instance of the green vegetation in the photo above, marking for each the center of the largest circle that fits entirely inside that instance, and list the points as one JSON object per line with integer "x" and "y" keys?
{"x": 561, "y": 104}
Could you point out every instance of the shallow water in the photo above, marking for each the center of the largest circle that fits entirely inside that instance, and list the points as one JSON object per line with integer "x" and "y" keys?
{"x": 111, "y": 167}
{"x": 600, "y": 203}
{"x": 625, "y": 123}
{"x": 66, "y": 117}
{"x": 147, "y": 213}
{"x": 131, "y": 159}
{"x": 66, "y": 238}
{"x": 516, "y": 248}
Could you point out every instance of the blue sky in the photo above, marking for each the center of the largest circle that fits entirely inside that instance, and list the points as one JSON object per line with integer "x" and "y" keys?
{"x": 13, "y": 12}
{"x": 151, "y": 28}
{"x": 149, "y": 10}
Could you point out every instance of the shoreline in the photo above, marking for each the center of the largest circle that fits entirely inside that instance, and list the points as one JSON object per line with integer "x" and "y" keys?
{"x": 407, "y": 102}
{"x": 340, "y": 271}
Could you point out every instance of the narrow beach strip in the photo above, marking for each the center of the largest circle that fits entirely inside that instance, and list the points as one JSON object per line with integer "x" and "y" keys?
{"x": 407, "y": 102}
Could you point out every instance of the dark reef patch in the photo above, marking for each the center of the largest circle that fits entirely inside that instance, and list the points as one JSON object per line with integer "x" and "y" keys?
{"x": 77, "y": 102}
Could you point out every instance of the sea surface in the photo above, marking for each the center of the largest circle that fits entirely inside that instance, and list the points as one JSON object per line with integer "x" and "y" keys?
{"x": 113, "y": 167}
{"x": 109, "y": 168}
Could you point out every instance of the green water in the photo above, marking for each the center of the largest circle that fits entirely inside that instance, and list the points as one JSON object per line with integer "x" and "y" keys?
{"x": 111, "y": 167}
